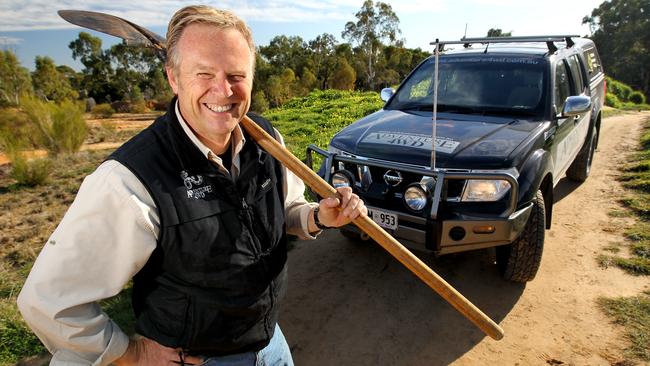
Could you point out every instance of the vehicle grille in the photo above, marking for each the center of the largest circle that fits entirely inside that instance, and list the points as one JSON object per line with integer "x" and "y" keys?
{"x": 370, "y": 184}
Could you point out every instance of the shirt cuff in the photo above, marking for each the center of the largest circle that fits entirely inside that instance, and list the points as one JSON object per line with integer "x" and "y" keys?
{"x": 305, "y": 210}
{"x": 116, "y": 346}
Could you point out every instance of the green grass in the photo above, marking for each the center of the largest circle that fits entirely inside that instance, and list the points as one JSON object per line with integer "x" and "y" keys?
{"x": 16, "y": 339}
{"x": 632, "y": 313}
{"x": 316, "y": 117}
{"x": 636, "y": 176}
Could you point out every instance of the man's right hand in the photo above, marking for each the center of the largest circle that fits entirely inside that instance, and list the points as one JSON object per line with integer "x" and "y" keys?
{"x": 144, "y": 352}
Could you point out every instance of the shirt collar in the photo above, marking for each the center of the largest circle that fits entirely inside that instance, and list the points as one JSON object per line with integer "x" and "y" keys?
{"x": 237, "y": 139}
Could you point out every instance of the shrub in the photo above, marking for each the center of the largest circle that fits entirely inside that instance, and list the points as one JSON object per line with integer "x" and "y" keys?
{"x": 26, "y": 172}
{"x": 139, "y": 106}
{"x": 612, "y": 100}
{"x": 259, "y": 103}
{"x": 15, "y": 124}
{"x": 61, "y": 128}
{"x": 69, "y": 128}
{"x": 30, "y": 172}
{"x": 103, "y": 110}
{"x": 637, "y": 98}
{"x": 621, "y": 90}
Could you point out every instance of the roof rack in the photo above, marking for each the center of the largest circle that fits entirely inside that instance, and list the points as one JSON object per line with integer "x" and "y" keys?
{"x": 552, "y": 48}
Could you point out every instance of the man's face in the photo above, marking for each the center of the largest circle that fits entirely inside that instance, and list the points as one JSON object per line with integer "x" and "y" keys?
{"x": 213, "y": 81}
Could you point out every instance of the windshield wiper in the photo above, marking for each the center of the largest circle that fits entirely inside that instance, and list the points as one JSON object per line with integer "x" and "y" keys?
{"x": 450, "y": 108}
{"x": 508, "y": 111}
{"x": 415, "y": 106}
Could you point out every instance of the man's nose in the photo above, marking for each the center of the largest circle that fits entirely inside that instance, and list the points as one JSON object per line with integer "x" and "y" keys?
{"x": 222, "y": 86}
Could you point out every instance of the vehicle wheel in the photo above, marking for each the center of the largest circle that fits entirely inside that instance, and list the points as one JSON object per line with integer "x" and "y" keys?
{"x": 581, "y": 166}
{"x": 520, "y": 260}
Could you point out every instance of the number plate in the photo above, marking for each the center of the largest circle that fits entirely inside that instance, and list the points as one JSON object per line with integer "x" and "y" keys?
{"x": 385, "y": 219}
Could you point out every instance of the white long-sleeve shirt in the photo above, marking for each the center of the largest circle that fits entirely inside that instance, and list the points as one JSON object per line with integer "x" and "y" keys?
{"x": 104, "y": 239}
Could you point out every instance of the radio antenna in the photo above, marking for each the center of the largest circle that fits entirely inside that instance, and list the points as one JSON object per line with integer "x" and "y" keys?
{"x": 436, "y": 53}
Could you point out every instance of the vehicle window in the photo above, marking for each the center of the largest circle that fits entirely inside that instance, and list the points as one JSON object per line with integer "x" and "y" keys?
{"x": 576, "y": 75}
{"x": 562, "y": 86}
{"x": 482, "y": 83}
{"x": 593, "y": 62}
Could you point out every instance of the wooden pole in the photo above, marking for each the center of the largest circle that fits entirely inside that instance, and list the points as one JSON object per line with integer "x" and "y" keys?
{"x": 365, "y": 223}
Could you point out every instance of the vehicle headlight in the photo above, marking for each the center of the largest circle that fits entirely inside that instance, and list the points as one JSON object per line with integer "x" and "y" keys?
{"x": 342, "y": 178}
{"x": 416, "y": 197}
{"x": 483, "y": 190}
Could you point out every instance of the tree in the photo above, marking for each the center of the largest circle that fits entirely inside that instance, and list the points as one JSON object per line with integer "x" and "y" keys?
{"x": 74, "y": 78}
{"x": 98, "y": 73}
{"x": 157, "y": 87}
{"x": 344, "y": 75}
{"x": 259, "y": 104}
{"x": 375, "y": 22}
{"x": 49, "y": 83}
{"x": 307, "y": 82}
{"x": 286, "y": 52}
{"x": 14, "y": 79}
{"x": 133, "y": 65}
{"x": 497, "y": 32}
{"x": 622, "y": 35}
{"x": 323, "y": 53}
{"x": 398, "y": 62}
{"x": 281, "y": 87}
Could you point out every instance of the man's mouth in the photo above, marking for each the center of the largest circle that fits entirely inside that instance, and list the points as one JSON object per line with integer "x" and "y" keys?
{"x": 218, "y": 108}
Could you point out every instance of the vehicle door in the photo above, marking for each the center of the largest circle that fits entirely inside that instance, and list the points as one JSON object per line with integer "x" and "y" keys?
{"x": 570, "y": 132}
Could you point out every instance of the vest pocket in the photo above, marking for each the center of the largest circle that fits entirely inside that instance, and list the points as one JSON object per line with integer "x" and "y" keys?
{"x": 223, "y": 325}
{"x": 166, "y": 317}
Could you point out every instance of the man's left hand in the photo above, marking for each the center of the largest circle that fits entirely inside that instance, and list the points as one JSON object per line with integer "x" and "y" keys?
{"x": 336, "y": 212}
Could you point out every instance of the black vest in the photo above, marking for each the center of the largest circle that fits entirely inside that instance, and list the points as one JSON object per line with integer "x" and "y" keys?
{"x": 213, "y": 282}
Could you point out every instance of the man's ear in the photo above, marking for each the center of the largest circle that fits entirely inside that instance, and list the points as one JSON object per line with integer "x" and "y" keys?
{"x": 171, "y": 77}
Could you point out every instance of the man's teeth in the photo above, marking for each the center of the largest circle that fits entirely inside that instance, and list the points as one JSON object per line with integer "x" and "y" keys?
{"x": 218, "y": 108}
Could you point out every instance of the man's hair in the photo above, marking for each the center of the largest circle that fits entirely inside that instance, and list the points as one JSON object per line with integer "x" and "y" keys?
{"x": 203, "y": 14}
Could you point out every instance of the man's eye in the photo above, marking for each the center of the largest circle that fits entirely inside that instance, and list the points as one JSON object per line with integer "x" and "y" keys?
{"x": 204, "y": 75}
{"x": 237, "y": 78}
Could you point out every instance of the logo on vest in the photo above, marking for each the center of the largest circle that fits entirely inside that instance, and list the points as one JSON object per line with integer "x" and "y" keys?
{"x": 192, "y": 184}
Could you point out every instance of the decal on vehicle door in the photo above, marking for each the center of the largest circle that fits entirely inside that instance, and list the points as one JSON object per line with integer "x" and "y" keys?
{"x": 416, "y": 141}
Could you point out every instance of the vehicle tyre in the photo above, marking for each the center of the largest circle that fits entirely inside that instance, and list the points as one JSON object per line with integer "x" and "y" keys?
{"x": 520, "y": 260}
{"x": 581, "y": 166}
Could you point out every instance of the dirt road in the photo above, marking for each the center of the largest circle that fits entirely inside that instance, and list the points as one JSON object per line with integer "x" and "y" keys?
{"x": 351, "y": 304}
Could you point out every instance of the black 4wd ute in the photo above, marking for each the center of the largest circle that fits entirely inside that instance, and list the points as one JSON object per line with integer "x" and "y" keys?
{"x": 511, "y": 117}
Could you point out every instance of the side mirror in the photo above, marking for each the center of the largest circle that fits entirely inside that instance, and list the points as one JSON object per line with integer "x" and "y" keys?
{"x": 386, "y": 94}
{"x": 576, "y": 105}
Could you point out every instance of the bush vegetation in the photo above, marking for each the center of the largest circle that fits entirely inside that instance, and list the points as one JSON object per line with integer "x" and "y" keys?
{"x": 103, "y": 110}
{"x": 60, "y": 128}
{"x": 622, "y": 96}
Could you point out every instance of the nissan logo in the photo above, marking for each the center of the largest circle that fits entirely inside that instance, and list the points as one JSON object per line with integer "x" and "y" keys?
{"x": 393, "y": 178}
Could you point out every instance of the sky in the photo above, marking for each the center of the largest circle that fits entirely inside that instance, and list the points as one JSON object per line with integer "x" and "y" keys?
{"x": 32, "y": 28}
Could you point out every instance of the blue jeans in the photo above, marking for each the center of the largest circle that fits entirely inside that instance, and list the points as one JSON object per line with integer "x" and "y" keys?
{"x": 277, "y": 353}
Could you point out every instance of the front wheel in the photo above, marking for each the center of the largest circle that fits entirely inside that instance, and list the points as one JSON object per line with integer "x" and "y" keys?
{"x": 520, "y": 260}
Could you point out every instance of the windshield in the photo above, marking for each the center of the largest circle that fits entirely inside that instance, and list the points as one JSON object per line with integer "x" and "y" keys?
{"x": 481, "y": 84}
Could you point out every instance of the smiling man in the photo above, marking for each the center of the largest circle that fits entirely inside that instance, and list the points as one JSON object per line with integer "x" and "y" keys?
{"x": 192, "y": 210}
